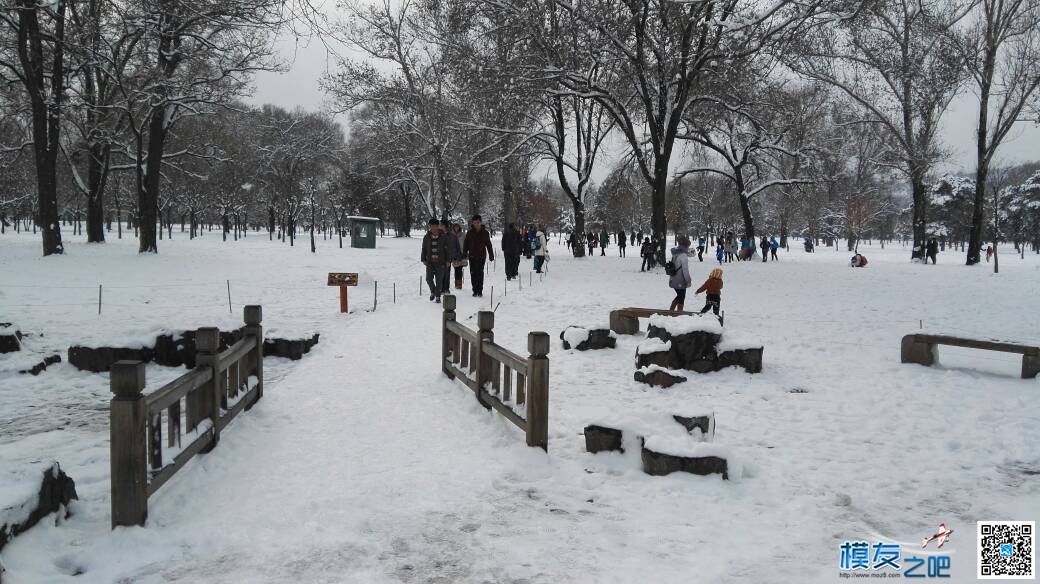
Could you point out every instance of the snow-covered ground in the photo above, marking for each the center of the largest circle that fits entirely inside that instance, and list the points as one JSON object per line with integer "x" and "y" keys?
{"x": 364, "y": 464}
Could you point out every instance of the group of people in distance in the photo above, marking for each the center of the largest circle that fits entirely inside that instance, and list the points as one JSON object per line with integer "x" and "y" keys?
{"x": 726, "y": 249}
{"x": 446, "y": 247}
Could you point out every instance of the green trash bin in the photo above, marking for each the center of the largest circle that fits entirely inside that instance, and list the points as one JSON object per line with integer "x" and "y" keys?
{"x": 363, "y": 231}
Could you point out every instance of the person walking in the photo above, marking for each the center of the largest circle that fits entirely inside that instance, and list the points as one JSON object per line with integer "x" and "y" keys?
{"x": 590, "y": 240}
{"x": 541, "y": 253}
{"x": 701, "y": 244}
{"x": 434, "y": 256}
{"x": 679, "y": 272}
{"x": 633, "y": 238}
{"x": 932, "y": 250}
{"x": 478, "y": 250}
{"x": 764, "y": 244}
{"x": 455, "y": 259}
{"x": 646, "y": 251}
{"x": 622, "y": 241}
{"x": 773, "y": 246}
{"x": 720, "y": 252}
{"x": 713, "y": 287}
{"x": 604, "y": 241}
{"x": 989, "y": 253}
{"x": 511, "y": 249}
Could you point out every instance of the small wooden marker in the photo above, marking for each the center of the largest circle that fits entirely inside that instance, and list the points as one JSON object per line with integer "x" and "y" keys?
{"x": 343, "y": 280}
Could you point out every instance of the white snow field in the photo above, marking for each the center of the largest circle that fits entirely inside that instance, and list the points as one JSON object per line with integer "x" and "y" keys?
{"x": 363, "y": 463}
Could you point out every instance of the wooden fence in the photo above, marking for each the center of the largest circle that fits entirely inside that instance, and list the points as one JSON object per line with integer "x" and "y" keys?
{"x": 519, "y": 387}
{"x": 221, "y": 386}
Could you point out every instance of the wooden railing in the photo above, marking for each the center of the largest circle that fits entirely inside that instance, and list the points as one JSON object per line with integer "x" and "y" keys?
{"x": 221, "y": 386}
{"x": 519, "y": 386}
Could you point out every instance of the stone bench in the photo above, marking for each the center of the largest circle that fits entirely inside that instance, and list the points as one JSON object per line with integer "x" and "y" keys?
{"x": 922, "y": 348}
{"x": 625, "y": 321}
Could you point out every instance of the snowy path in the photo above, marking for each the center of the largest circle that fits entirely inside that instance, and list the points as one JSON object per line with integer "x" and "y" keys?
{"x": 341, "y": 476}
{"x": 364, "y": 464}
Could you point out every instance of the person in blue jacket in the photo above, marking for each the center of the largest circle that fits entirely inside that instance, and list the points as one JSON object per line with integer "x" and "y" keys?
{"x": 773, "y": 246}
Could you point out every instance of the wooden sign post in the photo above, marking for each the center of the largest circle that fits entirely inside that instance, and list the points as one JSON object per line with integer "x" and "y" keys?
{"x": 343, "y": 280}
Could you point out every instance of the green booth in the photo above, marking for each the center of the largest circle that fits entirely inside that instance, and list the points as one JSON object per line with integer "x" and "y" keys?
{"x": 363, "y": 231}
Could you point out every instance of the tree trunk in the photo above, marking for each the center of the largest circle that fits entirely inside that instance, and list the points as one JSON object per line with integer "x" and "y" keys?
{"x": 148, "y": 191}
{"x": 920, "y": 221}
{"x": 658, "y": 205}
{"x": 97, "y": 178}
{"x": 509, "y": 208}
{"x": 578, "y": 249}
{"x": 745, "y": 209}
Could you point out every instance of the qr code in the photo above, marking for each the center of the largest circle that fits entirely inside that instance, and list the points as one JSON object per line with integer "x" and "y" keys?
{"x": 1007, "y": 549}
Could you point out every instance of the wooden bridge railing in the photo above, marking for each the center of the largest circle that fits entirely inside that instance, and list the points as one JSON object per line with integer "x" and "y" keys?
{"x": 519, "y": 386}
{"x": 221, "y": 386}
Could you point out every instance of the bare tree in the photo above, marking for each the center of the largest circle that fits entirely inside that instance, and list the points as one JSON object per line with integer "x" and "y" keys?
{"x": 666, "y": 52}
{"x": 895, "y": 59}
{"x": 33, "y": 55}
{"x": 1002, "y": 50}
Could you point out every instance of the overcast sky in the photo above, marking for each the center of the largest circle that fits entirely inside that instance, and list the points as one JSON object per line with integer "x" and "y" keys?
{"x": 308, "y": 61}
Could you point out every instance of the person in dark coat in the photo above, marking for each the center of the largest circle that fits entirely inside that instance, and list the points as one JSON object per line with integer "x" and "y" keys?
{"x": 932, "y": 249}
{"x": 646, "y": 251}
{"x": 434, "y": 256}
{"x": 764, "y": 244}
{"x": 512, "y": 246}
{"x": 622, "y": 242}
{"x": 590, "y": 240}
{"x": 701, "y": 244}
{"x": 478, "y": 250}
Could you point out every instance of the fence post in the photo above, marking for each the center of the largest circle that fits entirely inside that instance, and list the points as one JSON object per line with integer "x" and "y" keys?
{"x": 485, "y": 332}
{"x": 447, "y": 344}
{"x": 538, "y": 390}
{"x": 128, "y": 412}
{"x": 207, "y": 345}
{"x": 253, "y": 315}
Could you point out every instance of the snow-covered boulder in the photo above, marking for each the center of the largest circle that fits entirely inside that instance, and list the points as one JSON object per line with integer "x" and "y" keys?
{"x": 584, "y": 339}
{"x": 694, "y": 343}
{"x": 602, "y": 438}
{"x": 10, "y": 338}
{"x": 664, "y": 455}
{"x": 30, "y": 494}
{"x": 658, "y": 376}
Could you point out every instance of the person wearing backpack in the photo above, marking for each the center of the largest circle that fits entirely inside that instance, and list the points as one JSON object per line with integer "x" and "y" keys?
{"x": 540, "y": 253}
{"x": 773, "y": 246}
{"x": 713, "y": 287}
{"x": 678, "y": 270}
